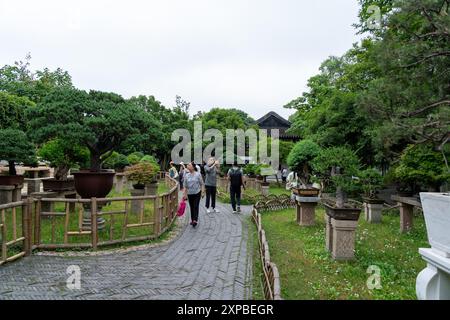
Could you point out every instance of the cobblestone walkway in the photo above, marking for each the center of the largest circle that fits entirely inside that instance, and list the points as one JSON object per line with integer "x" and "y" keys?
{"x": 212, "y": 261}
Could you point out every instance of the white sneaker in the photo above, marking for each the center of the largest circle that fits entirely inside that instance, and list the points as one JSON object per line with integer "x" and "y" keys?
{"x": 208, "y": 211}
{"x": 216, "y": 210}
{"x": 234, "y": 211}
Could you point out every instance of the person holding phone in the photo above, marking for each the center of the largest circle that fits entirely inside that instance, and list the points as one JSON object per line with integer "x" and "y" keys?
{"x": 211, "y": 170}
{"x": 193, "y": 191}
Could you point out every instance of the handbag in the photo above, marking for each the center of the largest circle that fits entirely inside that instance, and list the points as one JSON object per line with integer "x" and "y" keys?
{"x": 181, "y": 208}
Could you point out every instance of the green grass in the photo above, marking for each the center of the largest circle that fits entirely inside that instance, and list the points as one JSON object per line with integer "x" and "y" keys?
{"x": 308, "y": 272}
{"x": 117, "y": 222}
{"x": 276, "y": 190}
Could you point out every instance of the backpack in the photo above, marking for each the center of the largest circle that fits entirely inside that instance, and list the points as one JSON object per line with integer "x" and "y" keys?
{"x": 235, "y": 178}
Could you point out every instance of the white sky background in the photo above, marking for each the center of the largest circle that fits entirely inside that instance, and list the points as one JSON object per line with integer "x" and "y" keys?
{"x": 255, "y": 55}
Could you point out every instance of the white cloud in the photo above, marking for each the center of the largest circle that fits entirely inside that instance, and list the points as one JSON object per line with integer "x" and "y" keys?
{"x": 253, "y": 54}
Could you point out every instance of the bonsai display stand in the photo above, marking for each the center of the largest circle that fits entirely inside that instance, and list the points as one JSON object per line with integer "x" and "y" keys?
{"x": 264, "y": 190}
{"x": 407, "y": 205}
{"x": 136, "y": 204}
{"x": 47, "y": 206}
{"x": 119, "y": 182}
{"x": 306, "y": 210}
{"x": 10, "y": 194}
{"x": 433, "y": 283}
{"x": 373, "y": 211}
{"x": 341, "y": 224}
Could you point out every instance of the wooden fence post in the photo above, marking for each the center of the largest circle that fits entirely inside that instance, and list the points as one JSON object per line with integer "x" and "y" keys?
{"x": 27, "y": 210}
{"x": 94, "y": 223}
{"x": 157, "y": 216}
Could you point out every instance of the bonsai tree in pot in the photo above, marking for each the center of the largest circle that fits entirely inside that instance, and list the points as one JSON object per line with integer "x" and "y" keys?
{"x": 421, "y": 167}
{"x": 142, "y": 174}
{"x": 300, "y": 161}
{"x": 62, "y": 156}
{"x": 14, "y": 148}
{"x": 99, "y": 121}
{"x": 251, "y": 170}
{"x": 339, "y": 165}
{"x": 371, "y": 181}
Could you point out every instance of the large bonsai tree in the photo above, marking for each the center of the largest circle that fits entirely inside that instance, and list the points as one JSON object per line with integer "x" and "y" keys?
{"x": 98, "y": 120}
{"x": 421, "y": 166}
{"x": 339, "y": 165}
{"x": 15, "y": 148}
{"x": 63, "y": 156}
{"x": 300, "y": 159}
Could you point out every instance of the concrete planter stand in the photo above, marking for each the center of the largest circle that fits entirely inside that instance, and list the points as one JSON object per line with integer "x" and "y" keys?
{"x": 6, "y": 194}
{"x": 433, "y": 283}
{"x": 306, "y": 210}
{"x": 341, "y": 224}
{"x": 373, "y": 210}
{"x": 265, "y": 190}
{"x": 137, "y": 205}
{"x": 119, "y": 182}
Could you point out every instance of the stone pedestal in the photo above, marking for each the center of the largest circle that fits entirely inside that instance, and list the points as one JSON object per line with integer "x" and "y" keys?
{"x": 87, "y": 219}
{"x": 151, "y": 189}
{"x": 406, "y": 217}
{"x": 265, "y": 190}
{"x": 33, "y": 185}
{"x": 306, "y": 210}
{"x": 373, "y": 212}
{"x": 45, "y": 206}
{"x": 343, "y": 239}
{"x": 433, "y": 283}
{"x": 6, "y": 194}
{"x": 137, "y": 205}
{"x": 119, "y": 182}
{"x": 329, "y": 233}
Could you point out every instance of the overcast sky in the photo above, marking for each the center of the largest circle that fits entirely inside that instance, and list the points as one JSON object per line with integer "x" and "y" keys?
{"x": 255, "y": 55}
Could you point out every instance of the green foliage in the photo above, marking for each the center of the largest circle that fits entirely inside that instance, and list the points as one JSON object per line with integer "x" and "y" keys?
{"x": 135, "y": 157}
{"x": 251, "y": 169}
{"x": 116, "y": 161}
{"x": 63, "y": 156}
{"x": 15, "y": 148}
{"x": 338, "y": 165}
{"x": 98, "y": 120}
{"x": 19, "y": 80}
{"x": 149, "y": 159}
{"x": 371, "y": 181}
{"x": 13, "y": 111}
{"x": 142, "y": 173}
{"x": 423, "y": 167}
{"x": 300, "y": 158}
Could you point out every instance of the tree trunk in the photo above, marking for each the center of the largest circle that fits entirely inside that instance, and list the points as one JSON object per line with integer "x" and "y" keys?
{"x": 61, "y": 173}
{"x": 341, "y": 197}
{"x": 96, "y": 162}
{"x": 12, "y": 168}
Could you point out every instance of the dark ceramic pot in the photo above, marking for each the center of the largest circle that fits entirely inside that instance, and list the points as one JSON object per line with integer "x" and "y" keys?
{"x": 372, "y": 200}
{"x": 11, "y": 180}
{"x": 89, "y": 184}
{"x": 347, "y": 214}
{"x": 58, "y": 185}
{"x": 306, "y": 192}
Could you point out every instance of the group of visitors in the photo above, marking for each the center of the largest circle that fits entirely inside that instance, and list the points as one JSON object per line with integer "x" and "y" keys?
{"x": 197, "y": 181}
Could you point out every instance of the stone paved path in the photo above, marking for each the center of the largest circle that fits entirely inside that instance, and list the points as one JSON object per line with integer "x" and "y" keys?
{"x": 212, "y": 261}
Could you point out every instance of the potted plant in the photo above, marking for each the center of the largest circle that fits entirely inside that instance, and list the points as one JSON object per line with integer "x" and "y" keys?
{"x": 340, "y": 165}
{"x": 142, "y": 174}
{"x": 99, "y": 121}
{"x": 265, "y": 170}
{"x": 14, "y": 148}
{"x": 299, "y": 161}
{"x": 251, "y": 170}
{"x": 371, "y": 182}
{"x": 62, "y": 156}
{"x": 421, "y": 167}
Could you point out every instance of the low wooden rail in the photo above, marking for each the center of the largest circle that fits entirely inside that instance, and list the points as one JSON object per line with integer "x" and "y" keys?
{"x": 15, "y": 230}
{"x": 125, "y": 219}
{"x": 271, "y": 276}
